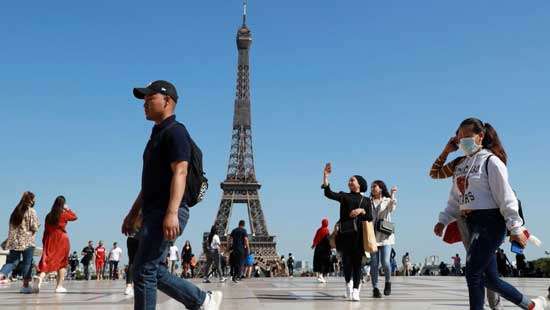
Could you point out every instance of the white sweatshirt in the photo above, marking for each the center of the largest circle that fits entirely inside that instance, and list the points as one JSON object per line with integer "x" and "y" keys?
{"x": 473, "y": 189}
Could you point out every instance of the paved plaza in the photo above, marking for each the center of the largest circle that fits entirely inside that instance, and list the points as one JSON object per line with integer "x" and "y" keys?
{"x": 266, "y": 294}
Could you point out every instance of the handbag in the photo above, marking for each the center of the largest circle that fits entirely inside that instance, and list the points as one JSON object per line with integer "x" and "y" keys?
{"x": 350, "y": 226}
{"x": 385, "y": 227}
{"x": 369, "y": 238}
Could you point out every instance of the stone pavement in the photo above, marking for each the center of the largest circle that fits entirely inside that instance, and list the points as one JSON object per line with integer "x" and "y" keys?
{"x": 267, "y": 294}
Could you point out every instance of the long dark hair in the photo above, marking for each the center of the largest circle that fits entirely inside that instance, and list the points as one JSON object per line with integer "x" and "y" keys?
{"x": 383, "y": 187}
{"x": 491, "y": 141}
{"x": 190, "y": 248}
{"x": 58, "y": 205}
{"x": 213, "y": 231}
{"x": 26, "y": 202}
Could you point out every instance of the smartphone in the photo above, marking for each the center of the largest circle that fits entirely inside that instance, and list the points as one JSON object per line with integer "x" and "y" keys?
{"x": 328, "y": 167}
{"x": 516, "y": 248}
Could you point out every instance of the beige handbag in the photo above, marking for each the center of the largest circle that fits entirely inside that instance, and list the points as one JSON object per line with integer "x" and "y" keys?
{"x": 369, "y": 238}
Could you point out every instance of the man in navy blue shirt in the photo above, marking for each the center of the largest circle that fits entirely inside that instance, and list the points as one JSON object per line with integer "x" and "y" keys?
{"x": 162, "y": 204}
{"x": 239, "y": 247}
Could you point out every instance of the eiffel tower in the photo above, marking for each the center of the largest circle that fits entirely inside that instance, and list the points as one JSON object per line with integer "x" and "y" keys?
{"x": 240, "y": 185}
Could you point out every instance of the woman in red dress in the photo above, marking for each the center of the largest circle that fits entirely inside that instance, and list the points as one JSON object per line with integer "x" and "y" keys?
{"x": 56, "y": 248}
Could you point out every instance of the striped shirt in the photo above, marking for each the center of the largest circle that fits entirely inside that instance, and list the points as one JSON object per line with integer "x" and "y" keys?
{"x": 440, "y": 170}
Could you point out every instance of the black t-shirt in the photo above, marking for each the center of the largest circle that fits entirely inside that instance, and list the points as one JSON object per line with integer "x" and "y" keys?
{"x": 169, "y": 142}
{"x": 88, "y": 254}
{"x": 237, "y": 235}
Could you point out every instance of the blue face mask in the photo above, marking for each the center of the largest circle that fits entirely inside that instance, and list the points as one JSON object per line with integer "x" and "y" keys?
{"x": 469, "y": 146}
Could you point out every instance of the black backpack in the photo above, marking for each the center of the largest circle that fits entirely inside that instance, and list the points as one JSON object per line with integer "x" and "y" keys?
{"x": 520, "y": 209}
{"x": 196, "y": 183}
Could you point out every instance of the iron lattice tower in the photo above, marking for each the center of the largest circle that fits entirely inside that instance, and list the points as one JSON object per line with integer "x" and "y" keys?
{"x": 241, "y": 185}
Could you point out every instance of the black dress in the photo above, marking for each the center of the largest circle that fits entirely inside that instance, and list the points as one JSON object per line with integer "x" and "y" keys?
{"x": 321, "y": 257}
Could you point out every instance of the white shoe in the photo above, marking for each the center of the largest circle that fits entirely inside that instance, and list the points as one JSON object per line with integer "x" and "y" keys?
{"x": 540, "y": 303}
{"x": 355, "y": 295}
{"x": 129, "y": 291}
{"x": 61, "y": 290}
{"x": 349, "y": 290}
{"x": 222, "y": 280}
{"x": 36, "y": 283}
{"x": 26, "y": 290}
{"x": 213, "y": 301}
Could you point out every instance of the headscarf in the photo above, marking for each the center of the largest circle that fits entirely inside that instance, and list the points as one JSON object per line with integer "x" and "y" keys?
{"x": 321, "y": 233}
{"x": 363, "y": 186}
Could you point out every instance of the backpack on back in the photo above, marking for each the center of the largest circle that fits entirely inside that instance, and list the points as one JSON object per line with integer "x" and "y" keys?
{"x": 196, "y": 183}
{"x": 520, "y": 209}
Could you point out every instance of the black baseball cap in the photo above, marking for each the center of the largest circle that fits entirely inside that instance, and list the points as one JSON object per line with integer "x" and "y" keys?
{"x": 157, "y": 87}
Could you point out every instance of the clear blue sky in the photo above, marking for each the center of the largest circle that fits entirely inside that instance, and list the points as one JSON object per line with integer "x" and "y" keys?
{"x": 375, "y": 87}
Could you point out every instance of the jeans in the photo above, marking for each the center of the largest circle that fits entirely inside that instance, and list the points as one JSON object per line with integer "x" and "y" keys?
{"x": 383, "y": 255}
{"x": 492, "y": 297}
{"x": 487, "y": 230}
{"x": 151, "y": 273}
{"x": 13, "y": 259}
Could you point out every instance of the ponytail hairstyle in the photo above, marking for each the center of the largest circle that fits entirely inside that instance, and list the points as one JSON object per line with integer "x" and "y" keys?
{"x": 26, "y": 202}
{"x": 55, "y": 214}
{"x": 491, "y": 141}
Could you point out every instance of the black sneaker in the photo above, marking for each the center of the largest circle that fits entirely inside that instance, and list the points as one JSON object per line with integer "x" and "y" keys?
{"x": 376, "y": 293}
{"x": 387, "y": 289}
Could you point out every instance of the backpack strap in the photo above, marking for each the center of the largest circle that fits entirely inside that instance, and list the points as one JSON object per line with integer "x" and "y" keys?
{"x": 487, "y": 165}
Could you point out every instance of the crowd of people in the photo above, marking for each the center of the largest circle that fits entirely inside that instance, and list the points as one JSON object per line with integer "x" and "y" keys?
{"x": 481, "y": 210}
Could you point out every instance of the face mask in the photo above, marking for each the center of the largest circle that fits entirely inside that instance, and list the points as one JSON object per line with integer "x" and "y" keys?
{"x": 469, "y": 146}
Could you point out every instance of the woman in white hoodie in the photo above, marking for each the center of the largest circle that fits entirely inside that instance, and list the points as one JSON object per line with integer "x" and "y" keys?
{"x": 483, "y": 196}
{"x": 383, "y": 204}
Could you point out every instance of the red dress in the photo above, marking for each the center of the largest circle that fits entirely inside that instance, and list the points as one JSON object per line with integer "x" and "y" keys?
{"x": 55, "y": 254}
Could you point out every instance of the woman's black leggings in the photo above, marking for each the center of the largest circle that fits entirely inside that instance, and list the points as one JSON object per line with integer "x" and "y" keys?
{"x": 352, "y": 267}
{"x": 132, "y": 245}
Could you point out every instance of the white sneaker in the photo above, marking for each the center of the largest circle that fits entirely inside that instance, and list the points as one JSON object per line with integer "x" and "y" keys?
{"x": 222, "y": 280}
{"x": 213, "y": 301}
{"x": 61, "y": 290}
{"x": 540, "y": 303}
{"x": 36, "y": 283}
{"x": 129, "y": 291}
{"x": 26, "y": 290}
{"x": 355, "y": 295}
{"x": 349, "y": 290}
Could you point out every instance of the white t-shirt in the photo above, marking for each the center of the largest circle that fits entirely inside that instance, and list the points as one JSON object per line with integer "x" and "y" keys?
{"x": 115, "y": 254}
{"x": 173, "y": 252}
{"x": 215, "y": 245}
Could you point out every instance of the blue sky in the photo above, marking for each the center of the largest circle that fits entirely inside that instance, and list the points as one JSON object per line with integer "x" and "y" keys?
{"x": 374, "y": 87}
